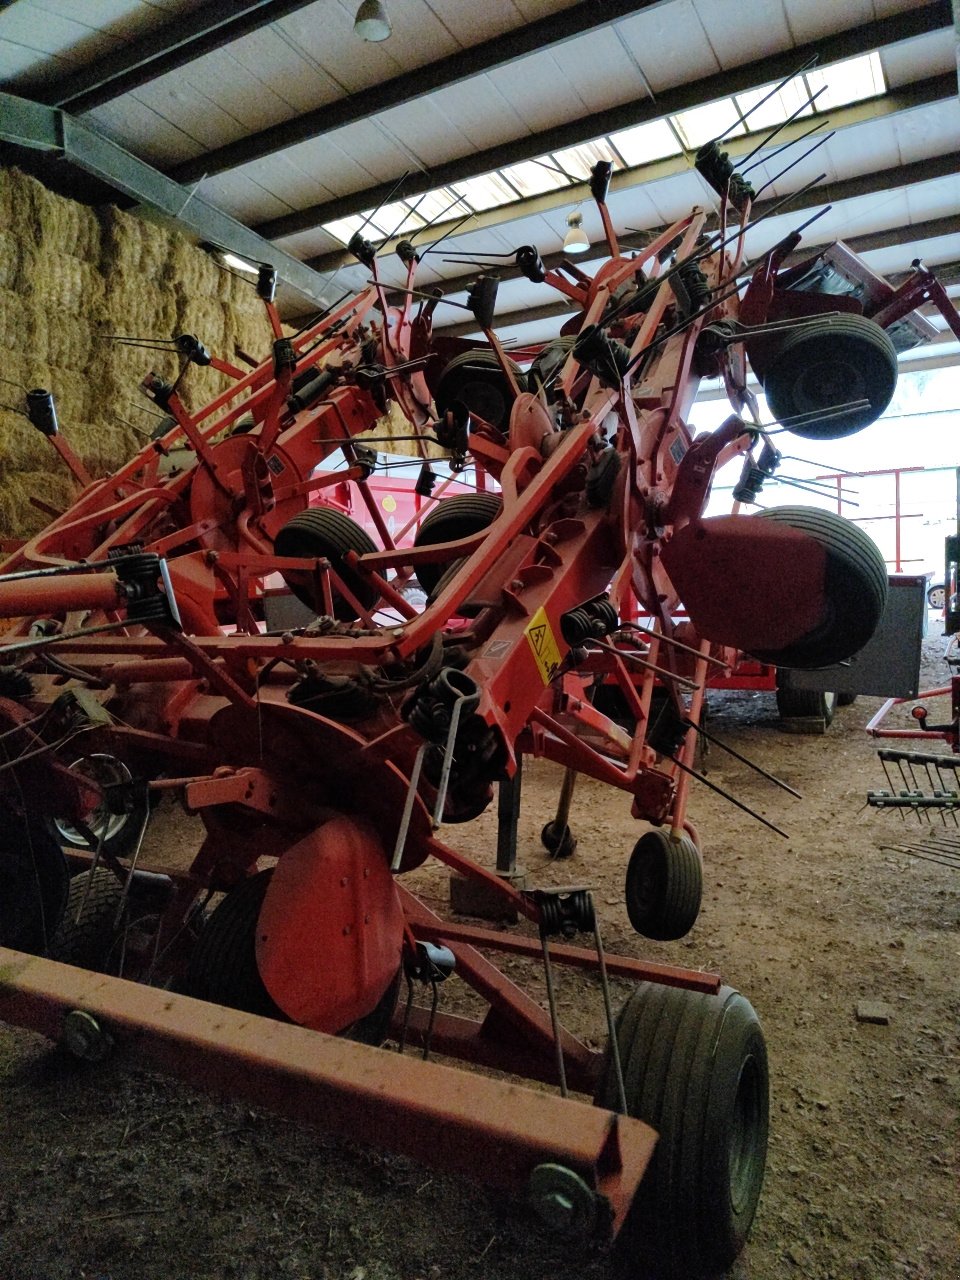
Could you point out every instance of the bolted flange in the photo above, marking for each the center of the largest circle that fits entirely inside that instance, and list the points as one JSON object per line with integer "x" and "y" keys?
{"x": 563, "y": 1200}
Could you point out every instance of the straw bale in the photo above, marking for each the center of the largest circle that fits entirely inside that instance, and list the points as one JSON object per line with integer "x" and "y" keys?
{"x": 19, "y": 518}
{"x": 70, "y": 341}
{"x": 9, "y": 259}
{"x": 192, "y": 271}
{"x": 64, "y": 283}
{"x": 12, "y": 320}
{"x": 33, "y": 210}
{"x": 22, "y": 447}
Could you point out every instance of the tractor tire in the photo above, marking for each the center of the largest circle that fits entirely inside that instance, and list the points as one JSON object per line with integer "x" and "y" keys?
{"x": 855, "y": 586}
{"x": 450, "y": 520}
{"x": 475, "y": 379}
{"x": 664, "y": 886}
{"x": 34, "y": 882}
{"x": 88, "y": 941}
{"x": 695, "y": 1069}
{"x": 827, "y": 363}
{"x": 223, "y": 965}
{"x": 120, "y": 831}
{"x": 322, "y": 532}
{"x": 805, "y": 704}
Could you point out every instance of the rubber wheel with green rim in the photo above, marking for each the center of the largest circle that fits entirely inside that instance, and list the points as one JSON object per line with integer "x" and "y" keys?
{"x": 695, "y": 1069}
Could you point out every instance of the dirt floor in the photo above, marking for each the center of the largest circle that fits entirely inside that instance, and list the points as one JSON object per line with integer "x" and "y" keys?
{"x": 111, "y": 1173}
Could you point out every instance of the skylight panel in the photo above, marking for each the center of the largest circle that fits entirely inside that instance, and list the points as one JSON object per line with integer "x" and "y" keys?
{"x": 849, "y": 81}
{"x": 789, "y": 101}
{"x": 531, "y": 178}
{"x": 487, "y": 191}
{"x": 578, "y": 161}
{"x": 702, "y": 124}
{"x": 343, "y": 228}
{"x": 441, "y": 203}
{"x": 645, "y": 143}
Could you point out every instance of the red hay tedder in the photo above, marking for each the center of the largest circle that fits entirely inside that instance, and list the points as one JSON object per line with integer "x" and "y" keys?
{"x": 327, "y": 760}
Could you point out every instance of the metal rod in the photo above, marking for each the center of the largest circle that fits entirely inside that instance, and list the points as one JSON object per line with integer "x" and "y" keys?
{"x": 554, "y": 1020}
{"x": 727, "y": 796}
{"x": 608, "y": 1010}
{"x": 737, "y": 756}
{"x": 408, "y": 809}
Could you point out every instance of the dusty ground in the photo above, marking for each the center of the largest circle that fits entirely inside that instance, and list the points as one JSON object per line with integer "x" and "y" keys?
{"x": 113, "y": 1172}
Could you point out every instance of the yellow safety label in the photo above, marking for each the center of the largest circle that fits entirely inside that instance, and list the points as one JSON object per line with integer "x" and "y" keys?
{"x": 543, "y": 646}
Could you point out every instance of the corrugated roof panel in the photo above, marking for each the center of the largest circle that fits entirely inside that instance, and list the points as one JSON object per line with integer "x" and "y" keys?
{"x": 479, "y": 111}
{"x": 309, "y": 244}
{"x": 939, "y": 198}
{"x": 928, "y": 55}
{"x": 890, "y": 260}
{"x": 269, "y": 57}
{"x": 761, "y": 28}
{"x": 242, "y": 197}
{"x": 430, "y": 134}
{"x": 928, "y": 131}
{"x": 138, "y": 127}
{"x": 538, "y": 91}
{"x": 810, "y": 20}
{"x": 670, "y": 45}
{"x": 471, "y": 23}
{"x": 324, "y": 33}
{"x": 41, "y": 36}
{"x": 600, "y": 70}
{"x": 298, "y": 187}
{"x": 247, "y": 99}
{"x": 189, "y": 108}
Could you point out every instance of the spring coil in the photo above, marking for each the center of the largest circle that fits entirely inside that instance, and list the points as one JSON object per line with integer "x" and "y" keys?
{"x": 566, "y": 914}
{"x": 695, "y": 282}
{"x": 589, "y": 621}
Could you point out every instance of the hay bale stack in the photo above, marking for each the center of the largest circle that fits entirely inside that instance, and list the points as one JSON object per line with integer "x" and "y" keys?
{"x": 69, "y": 277}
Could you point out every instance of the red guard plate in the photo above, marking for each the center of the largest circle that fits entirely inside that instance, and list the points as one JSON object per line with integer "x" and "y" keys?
{"x": 748, "y": 582}
{"x": 331, "y": 927}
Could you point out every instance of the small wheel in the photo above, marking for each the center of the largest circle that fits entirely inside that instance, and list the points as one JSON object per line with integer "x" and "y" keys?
{"x": 695, "y": 1069}
{"x": 34, "y": 882}
{"x": 855, "y": 587}
{"x": 450, "y": 520}
{"x": 322, "y": 532}
{"x": 87, "y": 930}
{"x": 559, "y": 842}
{"x": 664, "y": 886}
{"x": 223, "y": 965}
{"x": 117, "y": 833}
{"x": 476, "y": 379}
{"x": 827, "y": 363}
{"x": 937, "y": 596}
{"x": 804, "y": 704}
{"x": 846, "y": 699}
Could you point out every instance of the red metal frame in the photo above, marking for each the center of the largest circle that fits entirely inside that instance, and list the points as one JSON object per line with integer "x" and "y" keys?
{"x": 596, "y": 487}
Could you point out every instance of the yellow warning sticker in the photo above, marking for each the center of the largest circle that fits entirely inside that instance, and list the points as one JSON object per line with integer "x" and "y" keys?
{"x": 543, "y": 646}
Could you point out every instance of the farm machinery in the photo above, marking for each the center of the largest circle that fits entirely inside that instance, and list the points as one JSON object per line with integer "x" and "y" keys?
{"x": 329, "y": 759}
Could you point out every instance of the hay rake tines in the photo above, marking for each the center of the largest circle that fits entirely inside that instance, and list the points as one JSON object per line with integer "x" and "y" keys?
{"x": 930, "y": 785}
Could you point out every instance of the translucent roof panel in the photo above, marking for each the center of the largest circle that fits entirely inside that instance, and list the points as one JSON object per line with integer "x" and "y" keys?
{"x": 702, "y": 124}
{"x": 791, "y": 100}
{"x": 532, "y": 177}
{"x": 486, "y": 192}
{"x": 344, "y": 228}
{"x": 848, "y": 81}
{"x": 578, "y": 161}
{"x": 646, "y": 142}
{"x": 441, "y": 204}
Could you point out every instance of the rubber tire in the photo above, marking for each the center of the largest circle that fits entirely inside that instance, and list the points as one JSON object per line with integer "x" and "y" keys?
{"x": 559, "y": 846}
{"x": 547, "y": 362}
{"x": 88, "y": 942}
{"x": 937, "y": 596}
{"x": 124, "y": 839}
{"x": 828, "y": 362}
{"x": 846, "y": 699}
{"x": 223, "y": 965}
{"x": 327, "y": 533}
{"x": 34, "y": 882}
{"x": 855, "y": 585}
{"x": 805, "y": 704}
{"x": 452, "y": 519}
{"x": 695, "y": 1069}
{"x": 664, "y": 886}
{"x": 475, "y": 379}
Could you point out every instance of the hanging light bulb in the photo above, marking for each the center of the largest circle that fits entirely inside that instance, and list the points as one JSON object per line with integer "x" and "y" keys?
{"x": 575, "y": 241}
{"x": 371, "y": 22}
